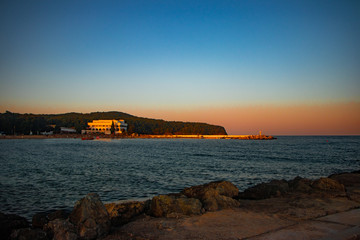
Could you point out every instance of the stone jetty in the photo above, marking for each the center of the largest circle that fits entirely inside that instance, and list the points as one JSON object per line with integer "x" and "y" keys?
{"x": 325, "y": 208}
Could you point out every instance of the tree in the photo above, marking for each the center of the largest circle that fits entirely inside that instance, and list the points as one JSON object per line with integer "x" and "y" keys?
{"x": 112, "y": 129}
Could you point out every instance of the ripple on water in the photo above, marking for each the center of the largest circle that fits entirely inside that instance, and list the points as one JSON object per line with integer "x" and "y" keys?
{"x": 39, "y": 175}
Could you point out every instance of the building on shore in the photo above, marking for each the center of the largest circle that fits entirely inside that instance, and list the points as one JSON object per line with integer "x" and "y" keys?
{"x": 104, "y": 126}
{"x": 67, "y": 130}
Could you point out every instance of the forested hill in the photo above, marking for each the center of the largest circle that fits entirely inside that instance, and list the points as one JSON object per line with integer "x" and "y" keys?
{"x": 24, "y": 123}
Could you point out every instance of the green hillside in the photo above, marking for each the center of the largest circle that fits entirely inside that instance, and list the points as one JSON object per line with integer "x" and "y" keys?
{"x": 11, "y": 123}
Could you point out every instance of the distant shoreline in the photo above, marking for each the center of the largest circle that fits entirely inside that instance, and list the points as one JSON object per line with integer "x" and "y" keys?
{"x": 239, "y": 137}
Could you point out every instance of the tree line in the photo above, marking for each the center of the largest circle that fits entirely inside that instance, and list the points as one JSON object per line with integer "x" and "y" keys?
{"x": 16, "y": 123}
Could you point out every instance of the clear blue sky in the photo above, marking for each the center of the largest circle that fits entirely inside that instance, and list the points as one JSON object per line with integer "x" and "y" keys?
{"x": 112, "y": 54}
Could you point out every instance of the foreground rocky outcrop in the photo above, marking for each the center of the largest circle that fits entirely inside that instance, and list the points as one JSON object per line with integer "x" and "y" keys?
{"x": 324, "y": 187}
{"x": 11, "y": 222}
{"x": 174, "y": 205}
{"x": 281, "y": 201}
{"x": 215, "y": 195}
{"x": 122, "y": 213}
{"x": 90, "y": 217}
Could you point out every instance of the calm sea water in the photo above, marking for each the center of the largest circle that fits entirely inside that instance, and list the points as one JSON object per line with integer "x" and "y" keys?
{"x": 39, "y": 175}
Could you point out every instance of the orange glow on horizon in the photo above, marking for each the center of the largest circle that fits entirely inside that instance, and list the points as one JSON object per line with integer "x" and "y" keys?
{"x": 301, "y": 119}
{"x": 321, "y": 119}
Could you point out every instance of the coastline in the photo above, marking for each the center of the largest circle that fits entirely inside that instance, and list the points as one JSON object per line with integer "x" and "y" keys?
{"x": 141, "y": 136}
{"x": 296, "y": 208}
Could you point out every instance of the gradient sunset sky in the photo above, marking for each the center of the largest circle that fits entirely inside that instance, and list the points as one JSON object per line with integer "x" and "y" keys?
{"x": 283, "y": 67}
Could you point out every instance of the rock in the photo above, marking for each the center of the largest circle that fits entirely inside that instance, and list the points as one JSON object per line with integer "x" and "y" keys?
{"x": 121, "y": 213}
{"x": 215, "y": 195}
{"x": 42, "y": 218}
{"x": 347, "y": 179}
{"x": 221, "y": 187}
{"x": 90, "y": 217}
{"x": 174, "y": 205}
{"x": 10, "y": 222}
{"x": 39, "y": 220}
{"x": 60, "y": 229}
{"x": 213, "y": 201}
{"x": 28, "y": 234}
{"x": 300, "y": 185}
{"x": 351, "y": 181}
{"x": 274, "y": 188}
{"x": 58, "y": 214}
{"x": 328, "y": 184}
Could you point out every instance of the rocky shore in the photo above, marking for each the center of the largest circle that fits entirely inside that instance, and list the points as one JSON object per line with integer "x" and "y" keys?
{"x": 216, "y": 210}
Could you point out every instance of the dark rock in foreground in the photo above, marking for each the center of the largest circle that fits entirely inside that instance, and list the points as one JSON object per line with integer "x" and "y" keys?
{"x": 351, "y": 181}
{"x": 90, "y": 217}
{"x": 274, "y": 188}
{"x": 121, "y": 213}
{"x": 326, "y": 187}
{"x": 29, "y": 234}
{"x": 215, "y": 195}
{"x": 42, "y": 218}
{"x": 10, "y": 222}
{"x": 174, "y": 205}
{"x": 329, "y": 186}
{"x": 61, "y": 229}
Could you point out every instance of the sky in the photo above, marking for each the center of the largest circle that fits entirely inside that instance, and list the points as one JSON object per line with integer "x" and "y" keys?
{"x": 282, "y": 67}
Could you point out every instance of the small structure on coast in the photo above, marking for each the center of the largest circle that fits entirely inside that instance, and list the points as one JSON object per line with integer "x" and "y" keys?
{"x": 67, "y": 130}
{"x": 106, "y": 126}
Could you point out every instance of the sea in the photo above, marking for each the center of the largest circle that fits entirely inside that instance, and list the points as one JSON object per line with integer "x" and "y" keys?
{"x": 39, "y": 175}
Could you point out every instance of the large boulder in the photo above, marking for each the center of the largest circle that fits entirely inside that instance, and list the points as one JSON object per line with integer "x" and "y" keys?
{"x": 174, "y": 205}
{"x": 215, "y": 195}
{"x": 90, "y": 217}
{"x": 61, "y": 229}
{"x": 10, "y": 222}
{"x": 274, "y": 188}
{"x": 329, "y": 187}
{"x": 351, "y": 181}
{"x": 121, "y": 213}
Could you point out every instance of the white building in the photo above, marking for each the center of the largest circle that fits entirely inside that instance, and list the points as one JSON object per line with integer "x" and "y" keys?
{"x": 104, "y": 126}
{"x": 67, "y": 130}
